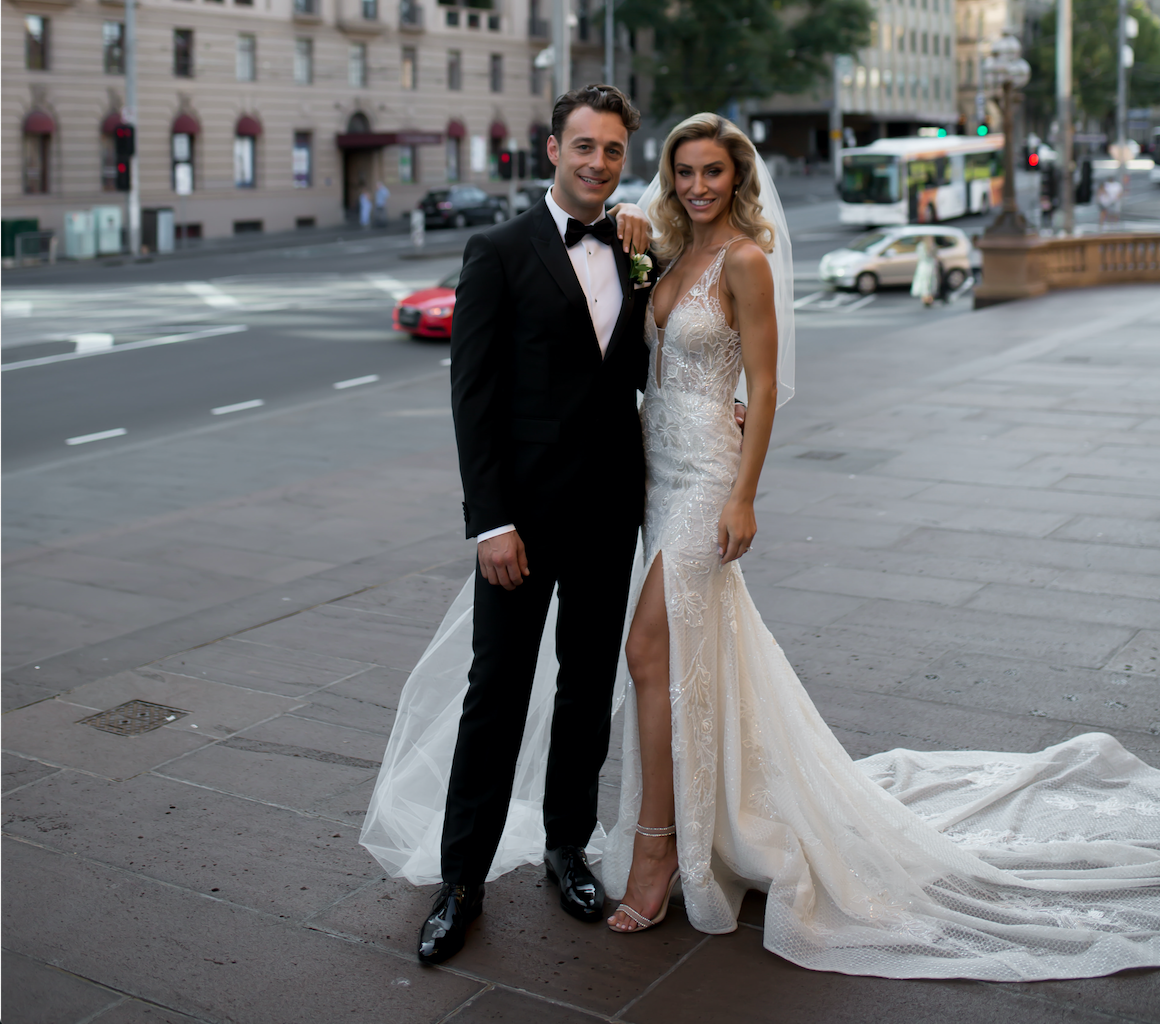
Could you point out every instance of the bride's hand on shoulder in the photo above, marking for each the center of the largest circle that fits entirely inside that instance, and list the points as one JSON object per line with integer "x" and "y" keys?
{"x": 736, "y": 530}
{"x": 632, "y": 227}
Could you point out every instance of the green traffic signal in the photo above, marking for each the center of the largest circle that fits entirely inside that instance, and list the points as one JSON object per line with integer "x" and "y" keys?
{"x": 982, "y": 129}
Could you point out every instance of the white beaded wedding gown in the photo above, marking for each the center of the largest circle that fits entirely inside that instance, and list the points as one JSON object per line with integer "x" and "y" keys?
{"x": 1006, "y": 867}
{"x": 953, "y": 864}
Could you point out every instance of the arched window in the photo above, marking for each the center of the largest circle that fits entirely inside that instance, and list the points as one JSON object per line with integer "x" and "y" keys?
{"x": 184, "y": 132}
{"x": 359, "y": 124}
{"x": 246, "y": 133}
{"x": 38, "y": 131}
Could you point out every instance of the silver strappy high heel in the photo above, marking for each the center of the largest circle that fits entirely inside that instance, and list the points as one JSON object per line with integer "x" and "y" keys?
{"x": 642, "y": 921}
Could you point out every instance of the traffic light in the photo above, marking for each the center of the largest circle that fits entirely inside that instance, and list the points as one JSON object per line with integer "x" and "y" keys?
{"x": 981, "y": 130}
{"x": 1049, "y": 189}
{"x": 522, "y": 164}
{"x": 125, "y": 145}
{"x": 505, "y": 165}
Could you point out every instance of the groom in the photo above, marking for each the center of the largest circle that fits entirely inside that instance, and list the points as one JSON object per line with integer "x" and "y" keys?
{"x": 547, "y": 354}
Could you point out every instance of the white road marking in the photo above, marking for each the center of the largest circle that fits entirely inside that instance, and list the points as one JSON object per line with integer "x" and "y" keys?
{"x": 168, "y": 339}
{"x": 17, "y": 307}
{"x": 93, "y": 342}
{"x": 394, "y": 287}
{"x": 222, "y": 410}
{"x": 102, "y": 435}
{"x": 805, "y": 300}
{"x": 444, "y": 362}
{"x": 354, "y": 382}
{"x": 210, "y": 294}
{"x": 864, "y": 301}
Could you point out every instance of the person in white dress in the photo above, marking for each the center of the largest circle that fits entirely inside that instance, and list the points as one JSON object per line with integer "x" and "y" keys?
{"x": 948, "y": 864}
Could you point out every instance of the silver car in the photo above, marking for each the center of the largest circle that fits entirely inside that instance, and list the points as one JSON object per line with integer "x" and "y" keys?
{"x": 888, "y": 256}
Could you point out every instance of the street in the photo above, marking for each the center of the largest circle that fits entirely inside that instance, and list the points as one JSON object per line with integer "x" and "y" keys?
{"x": 958, "y": 548}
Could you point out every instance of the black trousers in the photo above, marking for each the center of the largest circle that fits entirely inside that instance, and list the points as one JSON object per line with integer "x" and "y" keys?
{"x": 592, "y": 565}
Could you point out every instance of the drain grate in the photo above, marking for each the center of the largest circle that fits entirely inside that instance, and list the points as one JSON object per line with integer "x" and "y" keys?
{"x": 133, "y": 717}
{"x": 820, "y": 456}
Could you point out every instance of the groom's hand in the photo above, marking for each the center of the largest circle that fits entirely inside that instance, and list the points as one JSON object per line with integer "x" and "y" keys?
{"x": 503, "y": 561}
{"x": 739, "y": 414}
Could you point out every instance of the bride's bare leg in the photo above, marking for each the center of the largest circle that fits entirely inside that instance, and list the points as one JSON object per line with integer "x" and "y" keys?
{"x": 654, "y": 858}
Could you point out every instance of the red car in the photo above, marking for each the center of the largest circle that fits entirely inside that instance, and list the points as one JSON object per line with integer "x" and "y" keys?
{"x": 427, "y": 313}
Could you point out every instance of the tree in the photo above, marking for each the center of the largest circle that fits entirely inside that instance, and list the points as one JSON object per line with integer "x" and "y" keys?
{"x": 1093, "y": 55}
{"x": 709, "y": 52}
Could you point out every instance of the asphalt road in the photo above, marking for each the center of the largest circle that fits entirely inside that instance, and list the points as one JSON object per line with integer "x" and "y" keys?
{"x": 104, "y": 355}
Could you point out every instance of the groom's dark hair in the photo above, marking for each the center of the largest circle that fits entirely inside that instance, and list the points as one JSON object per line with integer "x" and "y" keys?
{"x": 598, "y": 97}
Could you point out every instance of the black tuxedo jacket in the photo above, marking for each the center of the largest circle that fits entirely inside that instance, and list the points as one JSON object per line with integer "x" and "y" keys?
{"x": 548, "y": 431}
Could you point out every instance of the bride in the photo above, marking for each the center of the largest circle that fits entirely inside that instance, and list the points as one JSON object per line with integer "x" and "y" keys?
{"x": 983, "y": 865}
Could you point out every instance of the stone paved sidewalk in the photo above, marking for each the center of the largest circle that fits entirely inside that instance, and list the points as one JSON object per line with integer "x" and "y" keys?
{"x": 959, "y": 547}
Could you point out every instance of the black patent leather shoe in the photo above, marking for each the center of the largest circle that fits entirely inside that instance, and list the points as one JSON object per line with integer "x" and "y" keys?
{"x": 445, "y": 929}
{"x": 581, "y": 894}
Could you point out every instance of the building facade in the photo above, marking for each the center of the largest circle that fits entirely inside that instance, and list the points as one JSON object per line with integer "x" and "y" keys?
{"x": 266, "y": 115}
{"x": 904, "y": 80}
{"x": 980, "y": 23}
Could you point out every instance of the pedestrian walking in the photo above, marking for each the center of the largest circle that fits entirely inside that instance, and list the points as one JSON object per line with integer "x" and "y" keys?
{"x": 927, "y": 273}
{"x": 382, "y": 194}
{"x": 364, "y": 209}
{"x": 1108, "y": 198}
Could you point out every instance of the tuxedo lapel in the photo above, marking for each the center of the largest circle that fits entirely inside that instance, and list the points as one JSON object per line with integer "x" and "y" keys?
{"x": 549, "y": 247}
{"x": 624, "y": 268}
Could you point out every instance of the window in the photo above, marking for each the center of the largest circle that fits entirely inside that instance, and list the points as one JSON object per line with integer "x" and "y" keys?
{"x": 244, "y": 3}
{"x": 914, "y": 40}
{"x": 302, "y": 161}
{"x": 244, "y": 161}
{"x": 947, "y": 47}
{"x": 305, "y": 7}
{"x": 35, "y": 43}
{"x": 356, "y": 65}
{"x": 472, "y": 19}
{"x": 183, "y": 52}
{"x": 493, "y": 22}
{"x": 902, "y": 40}
{"x": 453, "y": 19}
{"x": 113, "y": 41}
{"x": 408, "y": 172}
{"x": 454, "y": 70}
{"x": 247, "y": 57}
{"x": 182, "y": 163}
{"x": 495, "y": 72}
{"x": 452, "y": 159}
{"x": 924, "y": 42}
{"x": 303, "y": 61}
{"x": 370, "y": 10}
{"x": 247, "y": 227}
{"x": 409, "y": 78}
{"x": 36, "y": 148}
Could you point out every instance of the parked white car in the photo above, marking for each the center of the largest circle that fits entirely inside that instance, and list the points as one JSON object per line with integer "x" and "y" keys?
{"x": 887, "y": 256}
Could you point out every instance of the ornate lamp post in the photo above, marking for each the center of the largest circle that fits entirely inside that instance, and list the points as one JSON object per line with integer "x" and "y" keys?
{"x": 1007, "y": 72}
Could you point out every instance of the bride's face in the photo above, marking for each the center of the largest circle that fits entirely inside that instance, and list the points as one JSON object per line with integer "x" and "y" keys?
{"x": 704, "y": 175}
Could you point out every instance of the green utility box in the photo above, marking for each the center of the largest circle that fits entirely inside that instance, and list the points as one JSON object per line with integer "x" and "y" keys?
{"x": 12, "y": 228}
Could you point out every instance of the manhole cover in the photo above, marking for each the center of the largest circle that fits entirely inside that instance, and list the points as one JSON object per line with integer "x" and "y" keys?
{"x": 133, "y": 717}
{"x": 820, "y": 456}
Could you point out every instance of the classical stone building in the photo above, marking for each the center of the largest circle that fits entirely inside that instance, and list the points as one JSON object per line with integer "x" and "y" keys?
{"x": 980, "y": 23}
{"x": 264, "y": 115}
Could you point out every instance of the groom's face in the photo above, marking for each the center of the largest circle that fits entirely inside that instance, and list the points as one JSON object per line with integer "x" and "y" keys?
{"x": 589, "y": 158}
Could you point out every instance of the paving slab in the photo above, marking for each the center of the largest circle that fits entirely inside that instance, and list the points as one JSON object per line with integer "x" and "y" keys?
{"x": 207, "y": 958}
{"x": 35, "y": 993}
{"x": 1141, "y": 654}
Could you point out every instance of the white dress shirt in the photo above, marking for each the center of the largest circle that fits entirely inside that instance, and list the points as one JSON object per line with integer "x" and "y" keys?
{"x": 596, "y": 270}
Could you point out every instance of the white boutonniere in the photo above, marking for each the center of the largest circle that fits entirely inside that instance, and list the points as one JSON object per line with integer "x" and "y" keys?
{"x": 641, "y": 264}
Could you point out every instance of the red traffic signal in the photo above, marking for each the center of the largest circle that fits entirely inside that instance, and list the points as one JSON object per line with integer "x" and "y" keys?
{"x": 505, "y": 165}
{"x": 1033, "y": 160}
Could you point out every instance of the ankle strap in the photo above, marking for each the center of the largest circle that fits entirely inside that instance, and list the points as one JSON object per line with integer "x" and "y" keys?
{"x": 667, "y": 830}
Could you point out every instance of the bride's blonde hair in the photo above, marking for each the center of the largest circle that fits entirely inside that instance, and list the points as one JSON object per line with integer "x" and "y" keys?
{"x": 673, "y": 228}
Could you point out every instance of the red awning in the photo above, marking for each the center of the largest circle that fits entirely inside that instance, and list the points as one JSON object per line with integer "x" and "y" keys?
{"x": 248, "y": 126}
{"x": 39, "y": 123}
{"x": 498, "y": 130}
{"x": 185, "y": 124}
{"x": 111, "y": 123}
{"x": 455, "y": 130}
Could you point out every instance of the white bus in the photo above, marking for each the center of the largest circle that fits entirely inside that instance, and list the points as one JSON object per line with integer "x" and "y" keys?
{"x": 920, "y": 180}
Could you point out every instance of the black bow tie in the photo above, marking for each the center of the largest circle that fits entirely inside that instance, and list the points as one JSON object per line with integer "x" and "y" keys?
{"x": 603, "y": 231}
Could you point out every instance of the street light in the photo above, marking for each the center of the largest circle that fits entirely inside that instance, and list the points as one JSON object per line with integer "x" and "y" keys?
{"x": 1006, "y": 71}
